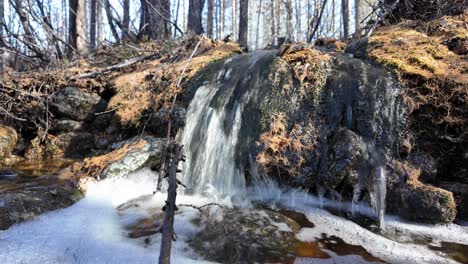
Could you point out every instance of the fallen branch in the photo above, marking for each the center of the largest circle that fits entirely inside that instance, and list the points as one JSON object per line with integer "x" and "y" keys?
{"x": 114, "y": 67}
{"x": 201, "y": 207}
{"x": 11, "y": 115}
{"x": 109, "y": 111}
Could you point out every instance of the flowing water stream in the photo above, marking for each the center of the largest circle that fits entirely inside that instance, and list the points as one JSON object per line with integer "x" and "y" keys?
{"x": 95, "y": 229}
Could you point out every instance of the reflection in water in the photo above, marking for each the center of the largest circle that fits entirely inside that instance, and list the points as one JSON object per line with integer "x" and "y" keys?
{"x": 455, "y": 251}
{"x": 36, "y": 168}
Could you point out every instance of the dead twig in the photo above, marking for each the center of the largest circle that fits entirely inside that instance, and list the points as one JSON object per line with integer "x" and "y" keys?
{"x": 6, "y": 112}
{"x": 112, "y": 68}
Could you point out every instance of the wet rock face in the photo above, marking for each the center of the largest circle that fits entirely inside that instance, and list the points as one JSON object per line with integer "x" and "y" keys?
{"x": 23, "y": 199}
{"x": 77, "y": 104}
{"x": 246, "y": 236}
{"x": 366, "y": 99}
{"x": 8, "y": 138}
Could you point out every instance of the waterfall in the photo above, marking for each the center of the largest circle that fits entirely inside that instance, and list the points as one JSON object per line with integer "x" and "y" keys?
{"x": 210, "y": 168}
{"x": 212, "y": 134}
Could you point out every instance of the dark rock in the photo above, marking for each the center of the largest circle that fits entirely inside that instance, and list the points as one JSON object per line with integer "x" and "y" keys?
{"x": 416, "y": 201}
{"x": 347, "y": 154}
{"x": 358, "y": 47}
{"x": 427, "y": 164}
{"x": 246, "y": 236}
{"x": 77, "y": 104}
{"x": 460, "y": 192}
{"x": 23, "y": 200}
{"x": 68, "y": 145}
{"x": 8, "y": 138}
{"x": 424, "y": 203}
{"x": 158, "y": 123}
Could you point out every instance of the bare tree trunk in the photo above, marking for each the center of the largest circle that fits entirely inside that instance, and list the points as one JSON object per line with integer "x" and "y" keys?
{"x": 333, "y": 18}
{"x": 110, "y": 20}
{"x": 30, "y": 39}
{"x": 345, "y": 15}
{"x": 223, "y": 17}
{"x": 50, "y": 28}
{"x": 278, "y": 17}
{"x": 244, "y": 23}
{"x": 298, "y": 20}
{"x": 77, "y": 36}
{"x": 2, "y": 18}
{"x": 289, "y": 26}
{"x": 309, "y": 18}
{"x": 273, "y": 23}
{"x": 357, "y": 17}
{"x": 93, "y": 24}
{"x": 210, "y": 18}
{"x": 195, "y": 16}
{"x": 258, "y": 23}
{"x": 234, "y": 17}
{"x": 176, "y": 17}
{"x": 126, "y": 19}
{"x": 318, "y": 21}
{"x": 99, "y": 35}
{"x": 216, "y": 18}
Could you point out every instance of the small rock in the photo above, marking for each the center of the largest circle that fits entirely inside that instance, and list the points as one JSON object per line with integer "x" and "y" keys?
{"x": 77, "y": 104}
{"x": 8, "y": 138}
{"x": 66, "y": 125}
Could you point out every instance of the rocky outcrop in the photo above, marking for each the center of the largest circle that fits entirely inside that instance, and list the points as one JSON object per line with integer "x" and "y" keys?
{"x": 77, "y": 104}
{"x": 22, "y": 200}
{"x": 8, "y": 138}
{"x": 127, "y": 157}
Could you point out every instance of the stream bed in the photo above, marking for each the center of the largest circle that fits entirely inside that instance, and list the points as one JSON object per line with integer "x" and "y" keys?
{"x": 101, "y": 229}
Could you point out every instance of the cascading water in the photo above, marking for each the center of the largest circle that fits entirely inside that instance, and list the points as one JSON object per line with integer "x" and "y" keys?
{"x": 212, "y": 132}
{"x": 211, "y": 167}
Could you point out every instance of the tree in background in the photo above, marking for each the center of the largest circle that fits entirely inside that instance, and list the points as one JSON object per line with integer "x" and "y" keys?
{"x": 195, "y": 16}
{"x": 345, "y": 15}
{"x": 209, "y": 21}
{"x": 77, "y": 31}
{"x": 243, "y": 22}
{"x": 155, "y": 19}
